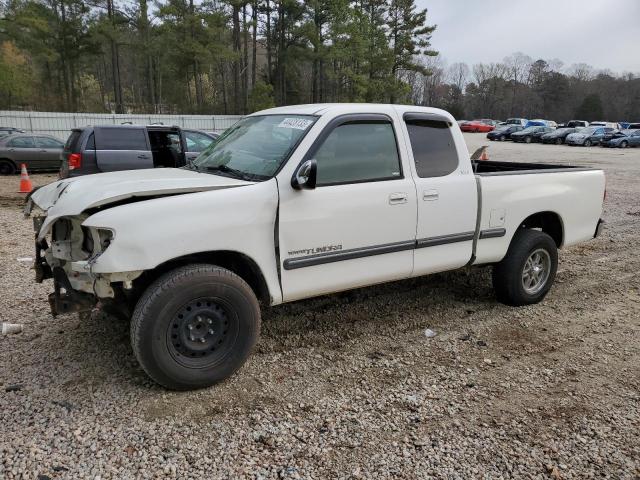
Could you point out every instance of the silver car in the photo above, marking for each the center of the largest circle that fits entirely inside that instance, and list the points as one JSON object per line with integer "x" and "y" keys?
{"x": 37, "y": 152}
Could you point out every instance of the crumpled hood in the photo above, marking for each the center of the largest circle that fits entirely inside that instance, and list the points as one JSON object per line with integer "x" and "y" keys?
{"x": 75, "y": 195}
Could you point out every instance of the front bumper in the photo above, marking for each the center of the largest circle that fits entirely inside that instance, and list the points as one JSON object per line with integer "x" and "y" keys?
{"x": 69, "y": 300}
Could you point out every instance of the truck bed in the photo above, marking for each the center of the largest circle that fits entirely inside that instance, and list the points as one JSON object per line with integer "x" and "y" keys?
{"x": 490, "y": 167}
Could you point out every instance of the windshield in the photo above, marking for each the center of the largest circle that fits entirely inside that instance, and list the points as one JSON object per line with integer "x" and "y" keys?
{"x": 255, "y": 147}
{"x": 529, "y": 130}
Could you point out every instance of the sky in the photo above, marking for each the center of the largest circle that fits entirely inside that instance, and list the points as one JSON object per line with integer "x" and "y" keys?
{"x": 602, "y": 33}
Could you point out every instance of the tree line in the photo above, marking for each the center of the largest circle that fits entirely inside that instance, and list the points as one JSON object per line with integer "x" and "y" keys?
{"x": 238, "y": 56}
{"x": 520, "y": 86}
{"x": 214, "y": 56}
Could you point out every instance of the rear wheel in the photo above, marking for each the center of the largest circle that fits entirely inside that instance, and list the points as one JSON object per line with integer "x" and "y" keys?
{"x": 502, "y": 138}
{"x": 527, "y": 272}
{"x": 7, "y": 167}
{"x": 587, "y": 143}
{"x": 624, "y": 144}
{"x": 558, "y": 141}
{"x": 195, "y": 326}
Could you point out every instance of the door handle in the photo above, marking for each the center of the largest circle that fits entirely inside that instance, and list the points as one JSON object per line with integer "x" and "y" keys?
{"x": 430, "y": 195}
{"x": 143, "y": 156}
{"x": 397, "y": 198}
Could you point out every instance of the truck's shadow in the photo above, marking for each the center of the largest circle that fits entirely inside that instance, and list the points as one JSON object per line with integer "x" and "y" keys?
{"x": 323, "y": 322}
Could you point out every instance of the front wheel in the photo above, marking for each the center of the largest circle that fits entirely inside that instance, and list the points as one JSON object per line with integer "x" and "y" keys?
{"x": 587, "y": 143}
{"x": 526, "y": 273}
{"x": 624, "y": 144}
{"x": 527, "y": 139}
{"x": 195, "y": 326}
{"x": 558, "y": 141}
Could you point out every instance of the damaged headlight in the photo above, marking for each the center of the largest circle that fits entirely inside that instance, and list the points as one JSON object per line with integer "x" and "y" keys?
{"x": 96, "y": 240}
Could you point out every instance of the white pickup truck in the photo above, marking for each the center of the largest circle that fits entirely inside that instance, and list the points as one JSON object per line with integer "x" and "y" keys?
{"x": 291, "y": 203}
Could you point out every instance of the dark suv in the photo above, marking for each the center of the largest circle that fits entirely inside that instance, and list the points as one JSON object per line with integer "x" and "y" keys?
{"x": 108, "y": 148}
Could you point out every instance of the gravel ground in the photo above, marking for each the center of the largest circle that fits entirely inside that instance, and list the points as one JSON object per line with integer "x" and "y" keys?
{"x": 348, "y": 385}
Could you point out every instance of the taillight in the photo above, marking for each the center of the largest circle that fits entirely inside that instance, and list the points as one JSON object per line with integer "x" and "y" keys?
{"x": 75, "y": 160}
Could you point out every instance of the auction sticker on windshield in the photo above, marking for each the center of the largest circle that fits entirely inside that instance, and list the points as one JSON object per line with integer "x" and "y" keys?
{"x": 298, "y": 123}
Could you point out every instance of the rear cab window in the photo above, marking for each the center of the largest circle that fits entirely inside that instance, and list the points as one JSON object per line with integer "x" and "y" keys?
{"x": 109, "y": 138}
{"x": 434, "y": 151}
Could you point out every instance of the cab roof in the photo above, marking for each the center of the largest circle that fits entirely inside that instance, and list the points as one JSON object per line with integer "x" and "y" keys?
{"x": 344, "y": 108}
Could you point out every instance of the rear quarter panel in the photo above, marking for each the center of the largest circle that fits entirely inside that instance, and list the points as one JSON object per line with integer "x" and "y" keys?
{"x": 576, "y": 197}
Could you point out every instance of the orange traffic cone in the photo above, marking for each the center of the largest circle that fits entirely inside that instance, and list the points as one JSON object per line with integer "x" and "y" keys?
{"x": 25, "y": 182}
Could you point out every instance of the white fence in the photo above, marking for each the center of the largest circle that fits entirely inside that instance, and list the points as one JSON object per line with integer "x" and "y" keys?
{"x": 60, "y": 124}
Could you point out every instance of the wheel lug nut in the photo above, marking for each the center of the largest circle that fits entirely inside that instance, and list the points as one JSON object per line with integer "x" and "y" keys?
{"x": 209, "y": 321}
{"x": 211, "y": 332}
{"x": 202, "y": 340}
{"x": 193, "y": 339}
{"x": 190, "y": 327}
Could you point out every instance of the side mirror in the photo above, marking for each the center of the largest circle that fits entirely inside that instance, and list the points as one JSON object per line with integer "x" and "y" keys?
{"x": 305, "y": 176}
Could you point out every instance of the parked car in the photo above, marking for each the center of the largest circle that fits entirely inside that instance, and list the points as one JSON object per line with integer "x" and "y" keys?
{"x": 476, "y": 126}
{"x": 196, "y": 141}
{"x": 530, "y": 134}
{"x": 538, "y": 122}
{"x": 355, "y": 194}
{"x": 612, "y": 125}
{"x": 623, "y": 139}
{"x": 504, "y": 132}
{"x": 536, "y": 137}
{"x": 9, "y": 130}
{"x": 558, "y": 136}
{"x": 108, "y": 148}
{"x": 37, "y": 152}
{"x": 577, "y": 124}
{"x": 516, "y": 121}
{"x": 588, "y": 136}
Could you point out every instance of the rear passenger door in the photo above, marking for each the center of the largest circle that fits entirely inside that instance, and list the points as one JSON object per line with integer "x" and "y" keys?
{"x": 122, "y": 148}
{"x": 49, "y": 152}
{"x": 447, "y": 195}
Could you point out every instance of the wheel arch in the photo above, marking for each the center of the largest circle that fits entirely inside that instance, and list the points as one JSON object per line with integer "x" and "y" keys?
{"x": 8, "y": 160}
{"x": 239, "y": 263}
{"x": 548, "y": 222}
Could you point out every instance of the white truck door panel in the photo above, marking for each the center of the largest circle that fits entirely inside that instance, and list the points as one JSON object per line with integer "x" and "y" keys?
{"x": 357, "y": 227}
{"x": 447, "y": 195}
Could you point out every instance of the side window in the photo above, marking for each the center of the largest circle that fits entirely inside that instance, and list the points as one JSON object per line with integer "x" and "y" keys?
{"x": 196, "y": 142}
{"x": 22, "y": 142}
{"x": 46, "y": 142}
{"x": 433, "y": 149}
{"x": 358, "y": 152}
{"x": 120, "y": 139}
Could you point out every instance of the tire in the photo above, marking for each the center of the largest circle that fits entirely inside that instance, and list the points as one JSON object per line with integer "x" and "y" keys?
{"x": 509, "y": 275}
{"x": 527, "y": 139}
{"x": 587, "y": 143}
{"x": 7, "y": 167}
{"x": 195, "y": 326}
{"x": 558, "y": 141}
{"x": 502, "y": 138}
{"x": 624, "y": 144}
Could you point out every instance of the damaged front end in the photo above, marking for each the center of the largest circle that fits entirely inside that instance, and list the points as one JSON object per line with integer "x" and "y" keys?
{"x": 66, "y": 254}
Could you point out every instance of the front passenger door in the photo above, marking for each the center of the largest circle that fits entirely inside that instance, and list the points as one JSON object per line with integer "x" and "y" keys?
{"x": 357, "y": 227}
